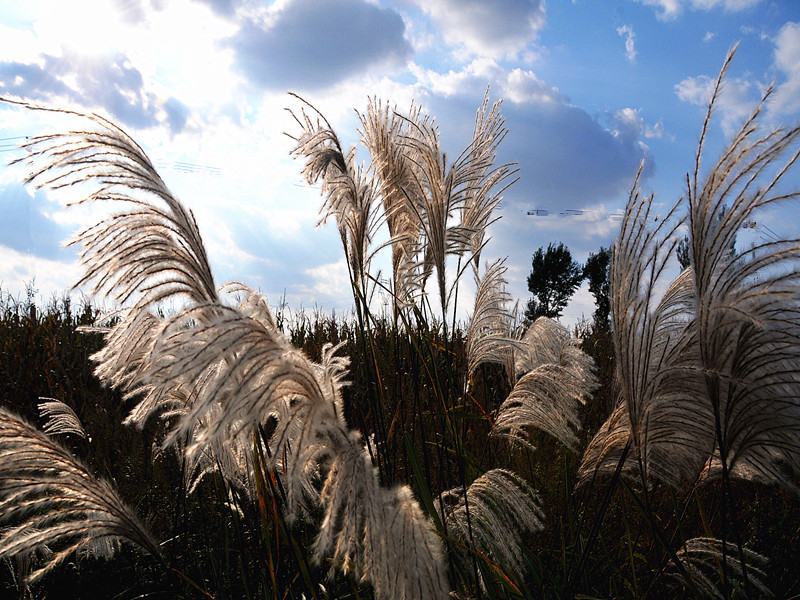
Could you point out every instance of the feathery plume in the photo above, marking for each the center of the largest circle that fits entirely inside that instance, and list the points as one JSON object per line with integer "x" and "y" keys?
{"x": 748, "y": 320}
{"x": 502, "y": 509}
{"x": 657, "y": 415}
{"x": 489, "y": 338}
{"x": 350, "y": 194}
{"x": 48, "y": 497}
{"x": 156, "y": 236}
{"x": 701, "y": 558}
{"x": 382, "y": 131}
{"x": 482, "y": 195}
{"x": 558, "y": 377}
{"x": 61, "y": 419}
{"x": 214, "y": 372}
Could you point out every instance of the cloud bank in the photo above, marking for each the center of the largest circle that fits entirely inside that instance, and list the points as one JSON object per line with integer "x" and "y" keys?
{"x": 308, "y": 45}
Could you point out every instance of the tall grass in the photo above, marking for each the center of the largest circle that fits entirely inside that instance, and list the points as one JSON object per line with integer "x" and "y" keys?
{"x": 477, "y": 459}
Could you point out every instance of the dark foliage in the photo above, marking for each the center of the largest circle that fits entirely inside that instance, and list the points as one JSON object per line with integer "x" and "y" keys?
{"x": 206, "y": 538}
{"x": 596, "y": 270}
{"x": 553, "y": 279}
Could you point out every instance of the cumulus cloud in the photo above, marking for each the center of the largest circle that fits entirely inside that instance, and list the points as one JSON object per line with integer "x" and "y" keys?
{"x": 626, "y": 31}
{"x": 627, "y": 124}
{"x": 307, "y": 45}
{"x": 492, "y": 28}
{"x": 786, "y": 98}
{"x": 107, "y": 81}
{"x": 735, "y": 102}
{"x": 672, "y": 9}
{"x": 655, "y": 131}
{"x": 516, "y": 85}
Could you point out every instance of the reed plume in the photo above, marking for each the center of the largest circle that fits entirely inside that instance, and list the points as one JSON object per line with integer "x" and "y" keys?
{"x": 349, "y": 190}
{"x": 555, "y": 378}
{"x": 658, "y": 429}
{"x": 382, "y": 129}
{"x": 61, "y": 419}
{"x": 499, "y": 509}
{"x": 47, "y": 497}
{"x": 423, "y": 194}
{"x": 489, "y": 336}
{"x": 708, "y": 373}
{"x": 701, "y": 557}
{"x": 747, "y": 317}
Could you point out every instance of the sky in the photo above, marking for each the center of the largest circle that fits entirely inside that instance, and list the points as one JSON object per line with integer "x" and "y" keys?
{"x": 590, "y": 91}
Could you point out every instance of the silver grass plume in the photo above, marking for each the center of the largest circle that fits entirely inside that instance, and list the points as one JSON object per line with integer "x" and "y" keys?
{"x": 489, "y": 338}
{"x": 61, "y": 419}
{"x": 350, "y": 194}
{"x": 502, "y": 509}
{"x": 701, "y": 558}
{"x": 710, "y": 369}
{"x": 48, "y": 497}
{"x": 540, "y": 344}
{"x": 657, "y": 425}
{"x": 382, "y": 130}
{"x": 548, "y": 396}
{"x": 154, "y": 248}
{"x": 441, "y": 190}
{"x": 748, "y": 321}
{"x": 422, "y": 194}
{"x": 216, "y": 371}
{"x": 484, "y": 193}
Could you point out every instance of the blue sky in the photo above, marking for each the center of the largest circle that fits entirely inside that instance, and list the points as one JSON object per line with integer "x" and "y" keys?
{"x": 590, "y": 90}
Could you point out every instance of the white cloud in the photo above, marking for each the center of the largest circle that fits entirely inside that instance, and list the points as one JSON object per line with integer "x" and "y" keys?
{"x": 672, "y": 9}
{"x": 630, "y": 38}
{"x": 328, "y": 281}
{"x": 516, "y": 85}
{"x": 709, "y": 36}
{"x": 735, "y": 101}
{"x": 491, "y": 28}
{"x": 695, "y": 90}
{"x": 628, "y": 124}
{"x": 654, "y": 131}
{"x": 786, "y": 99}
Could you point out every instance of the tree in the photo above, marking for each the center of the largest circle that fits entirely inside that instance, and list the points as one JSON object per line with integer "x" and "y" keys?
{"x": 682, "y": 252}
{"x": 596, "y": 270}
{"x": 553, "y": 279}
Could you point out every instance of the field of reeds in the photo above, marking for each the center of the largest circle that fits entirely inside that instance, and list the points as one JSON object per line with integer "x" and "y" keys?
{"x": 226, "y": 449}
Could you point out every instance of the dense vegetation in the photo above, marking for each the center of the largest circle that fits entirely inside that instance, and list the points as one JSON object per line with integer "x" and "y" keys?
{"x": 42, "y": 354}
{"x": 232, "y": 451}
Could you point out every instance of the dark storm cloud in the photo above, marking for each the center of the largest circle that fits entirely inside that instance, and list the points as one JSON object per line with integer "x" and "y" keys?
{"x": 107, "y": 81}
{"x": 312, "y": 45}
{"x": 25, "y": 227}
